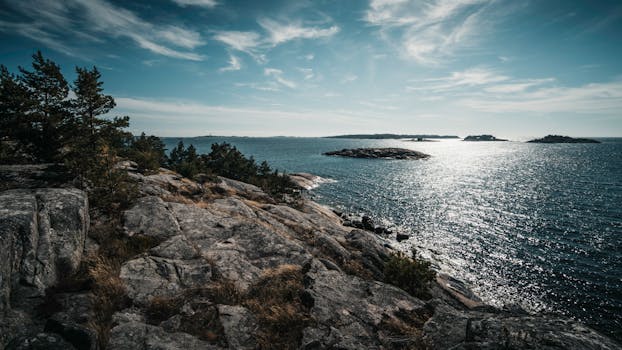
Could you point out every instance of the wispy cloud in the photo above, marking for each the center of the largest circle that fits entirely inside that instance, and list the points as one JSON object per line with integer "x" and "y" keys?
{"x": 517, "y": 86}
{"x": 202, "y": 3}
{"x": 596, "y": 98}
{"x": 470, "y": 77}
{"x": 276, "y": 33}
{"x": 186, "y": 118}
{"x": 307, "y": 73}
{"x": 429, "y": 31}
{"x": 247, "y": 42}
{"x": 97, "y": 20}
{"x": 277, "y": 74}
{"x": 487, "y": 90}
{"x": 279, "y": 33}
{"x": 234, "y": 64}
{"x": 349, "y": 78}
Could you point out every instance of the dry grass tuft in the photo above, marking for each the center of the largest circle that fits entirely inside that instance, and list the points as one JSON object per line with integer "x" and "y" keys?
{"x": 109, "y": 294}
{"x": 276, "y": 302}
{"x": 203, "y": 322}
{"x": 407, "y": 326}
{"x": 356, "y": 268}
{"x": 177, "y": 198}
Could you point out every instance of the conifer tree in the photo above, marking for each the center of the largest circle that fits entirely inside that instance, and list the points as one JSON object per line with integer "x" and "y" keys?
{"x": 49, "y": 90}
{"x": 15, "y": 128}
{"x": 90, "y": 101}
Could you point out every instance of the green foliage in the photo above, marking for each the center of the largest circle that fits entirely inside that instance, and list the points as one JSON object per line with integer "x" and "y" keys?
{"x": 412, "y": 275}
{"x": 49, "y": 116}
{"x": 226, "y": 160}
{"x": 148, "y": 152}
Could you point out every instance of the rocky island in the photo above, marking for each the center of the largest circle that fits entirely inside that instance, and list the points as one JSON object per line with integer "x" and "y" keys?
{"x": 379, "y": 153}
{"x": 482, "y": 138}
{"x": 562, "y": 139}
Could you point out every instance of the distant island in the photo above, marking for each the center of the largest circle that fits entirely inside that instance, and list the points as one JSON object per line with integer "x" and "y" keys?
{"x": 391, "y": 136}
{"x": 379, "y": 153}
{"x": 421, "y": 139}
{"x": 482, "y": 138}
{"x": 562, "y": 139}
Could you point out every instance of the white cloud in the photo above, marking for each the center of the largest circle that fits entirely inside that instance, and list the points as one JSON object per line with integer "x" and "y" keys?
{"x": 429, "y": 31}
{"x": 186, "y": 118}
{"x": 276, "y": 33}
{"x": 279, "y": 33}
{"x": 181, "y": 37}
{"x": 277, "y": 74}
{"x": 234, "y": 64}
{"x": 349, "y": 78}
{"x": 307, "y": 72}
{"x": 518, "y": 86}
{"x": 248, "y": 42}
{"x": 91, "y": 20}
{"x": 468, "y": 78}
{"x": 484, "y": 89}
{"x": 594, "y": 98}
{"x": 202, "y": 3}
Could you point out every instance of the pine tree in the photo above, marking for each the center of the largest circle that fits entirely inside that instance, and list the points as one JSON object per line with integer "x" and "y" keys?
{"x": 90, "y": 102}
{"x": 15, "y": 129}
{"x": 49, "y": 90}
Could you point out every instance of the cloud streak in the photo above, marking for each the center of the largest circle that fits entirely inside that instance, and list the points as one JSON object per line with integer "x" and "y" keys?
{"x": 486, "y": 90}
{"x": 277, "y": 74}
{"x": 200, "y": 3}
{"x": 234, "y": 64}
{"x": 94, "y": 20}
{"x": 276, "y": 33}
{"x": 429, "y": 31}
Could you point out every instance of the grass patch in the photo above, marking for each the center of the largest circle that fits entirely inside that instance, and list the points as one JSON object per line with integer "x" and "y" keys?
{"x": 204, "y": 321}
{"x": 410, "y": 274}
{"x": 276, "y": 302}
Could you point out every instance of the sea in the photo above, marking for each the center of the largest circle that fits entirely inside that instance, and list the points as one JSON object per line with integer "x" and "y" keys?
{"x": 537, "y": 226}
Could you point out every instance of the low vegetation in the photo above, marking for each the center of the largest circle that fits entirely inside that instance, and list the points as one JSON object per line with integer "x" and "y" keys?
{"x": 410, "y": 274}
{"x": 277, "y": 303}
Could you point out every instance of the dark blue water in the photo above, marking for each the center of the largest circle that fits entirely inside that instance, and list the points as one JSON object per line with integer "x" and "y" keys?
{"x": 537, "y": 225}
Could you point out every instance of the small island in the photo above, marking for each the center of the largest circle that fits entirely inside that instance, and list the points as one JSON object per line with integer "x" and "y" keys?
{"x": 420, "y": 139}
{"x": 562, "y": 139}
{"x": 379, "y": 153}
{"x": 482, "y": 138}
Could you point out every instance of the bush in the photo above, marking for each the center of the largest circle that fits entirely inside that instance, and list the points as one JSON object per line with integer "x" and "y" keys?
{"x": 148, "y": 152}
{"x": 412, "y": 275}
{"x": 226, "y": 160}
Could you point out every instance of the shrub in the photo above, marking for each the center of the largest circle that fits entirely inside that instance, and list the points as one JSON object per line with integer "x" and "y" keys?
{"x": 148, "y": 152}
{"x": 412, "y": 275}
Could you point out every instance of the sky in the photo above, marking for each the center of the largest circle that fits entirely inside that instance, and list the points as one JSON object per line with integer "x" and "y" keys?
{"x": 316, "y": 68}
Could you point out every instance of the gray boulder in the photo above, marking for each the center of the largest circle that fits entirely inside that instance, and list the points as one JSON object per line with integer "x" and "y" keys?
{"x": 151, "y": 217}
{"x": 141, "y": 336}
{"x": 149, "y": 276}
{"x": 450, "y": 328}
{"x": 40, "y": 341}
{"x": 351, "y": 313}
{"x": 239, "y": 326}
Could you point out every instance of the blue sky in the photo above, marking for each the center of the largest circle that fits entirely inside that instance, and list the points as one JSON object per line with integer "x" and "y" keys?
{"x": 310, "y": 68}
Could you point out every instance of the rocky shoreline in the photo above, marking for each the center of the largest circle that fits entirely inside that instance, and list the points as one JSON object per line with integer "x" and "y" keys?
{"x": 379, "y": 153}
{"x": 222, "y": 265}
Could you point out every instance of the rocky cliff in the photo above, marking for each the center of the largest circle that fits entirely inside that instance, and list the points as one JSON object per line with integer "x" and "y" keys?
{"x": 227, "y": 267}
